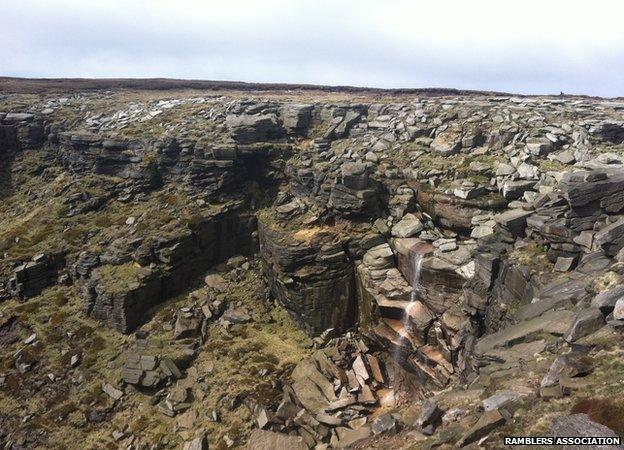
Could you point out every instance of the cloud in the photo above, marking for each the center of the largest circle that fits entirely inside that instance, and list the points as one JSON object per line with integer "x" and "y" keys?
{"x": 525, "y": 47}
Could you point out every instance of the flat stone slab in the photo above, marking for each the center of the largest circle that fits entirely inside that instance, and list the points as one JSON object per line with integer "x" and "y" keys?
{"x": 552, "y": 322}
{"x": 268, "y": 440}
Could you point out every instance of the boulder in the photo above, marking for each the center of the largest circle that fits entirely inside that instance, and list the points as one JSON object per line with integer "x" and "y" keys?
{"x": 354, "y": 175}
{"x": 488, "y": 422}
{"x": 446, "y": 145}
{"x": 384, "y": 424}
{"x": 607, "y": 300}
{"x": 585, "y": 323}
{"x": 199, "y": 443}
{"x": 407, "y": 227}
{"x": 538, "y": 146}
{"x": 268, "y": 440}
{"x": 553, "y": 322}
{"x": 248, "y": 128}
{"x": 430, "y": 417}
{"x": 611, "y": 238}
{"x": 513, "y": 190}
{"x": 346, "y": 436}
{"x": 566, "y": 366}
{"x": 296, "y": 117}
{"x": 605, "y": 187}
{"x": 618, "y": 310}
{"x": 513, "y": 220}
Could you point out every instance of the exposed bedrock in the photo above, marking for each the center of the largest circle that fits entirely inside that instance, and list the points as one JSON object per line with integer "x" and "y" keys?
{"x": 21, "y": 130}
{"x": 214, "y": 169}
{"x": 311, "y": 275}
{"x": 121, "y": 294}
{"x": 256, "y": 122}
{"x": 454, "y": 212}
{"x": 31, "y": 278}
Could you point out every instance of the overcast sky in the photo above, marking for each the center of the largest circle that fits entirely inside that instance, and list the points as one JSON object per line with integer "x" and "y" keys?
{"x": 522, "y": 46}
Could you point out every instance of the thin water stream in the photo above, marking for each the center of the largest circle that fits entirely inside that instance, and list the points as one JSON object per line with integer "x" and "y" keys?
{"x": 406, "y": 324}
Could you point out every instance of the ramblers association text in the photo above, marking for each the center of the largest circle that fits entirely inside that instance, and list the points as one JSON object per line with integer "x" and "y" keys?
{"x": 561, "y": 440}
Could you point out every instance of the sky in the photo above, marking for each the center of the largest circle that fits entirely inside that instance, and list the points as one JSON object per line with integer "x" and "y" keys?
{"x": 522, "y": 46}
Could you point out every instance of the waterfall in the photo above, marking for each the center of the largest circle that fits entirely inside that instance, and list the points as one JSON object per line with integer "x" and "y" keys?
{"x": 416, "y": 266}
{"x": 406, "y": 326}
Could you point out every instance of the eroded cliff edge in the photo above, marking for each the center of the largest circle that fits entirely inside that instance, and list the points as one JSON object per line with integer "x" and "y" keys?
{"x": 447, "y": 249}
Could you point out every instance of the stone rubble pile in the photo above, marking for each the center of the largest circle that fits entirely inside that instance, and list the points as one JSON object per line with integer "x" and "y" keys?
{"x": 331, "y": 395}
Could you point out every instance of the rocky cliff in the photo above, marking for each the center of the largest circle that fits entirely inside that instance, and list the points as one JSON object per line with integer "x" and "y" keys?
{"x": 380, "y": 272}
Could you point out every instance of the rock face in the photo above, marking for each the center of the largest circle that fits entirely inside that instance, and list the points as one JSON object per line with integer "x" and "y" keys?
{"x": 458, "y": 248}
{"x": 212, "y": 169}
{"x": 311, "y": 276}
{"x": 32, "y": 277}
{"x": 296, "y": 118}
{"x": 353, "y": 195}
{"x": 21, "y": 131}
{"x": 247, "y": 128}
{"x": 120, "y": 295}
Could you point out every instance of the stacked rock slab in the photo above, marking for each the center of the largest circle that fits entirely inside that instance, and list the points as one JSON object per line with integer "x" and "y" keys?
{"x": 214, "y": 169}
{"x": 312, "y": 277}
{"x": 176, "y": 263}
{"x": 32, "y": 277}
{"x": 454, "y": 212}
{"x": 21, "y": 130}
{"x": 352, "y": 193}
{"x": 584, "y": 216}
{"x": 421, "y": 340}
